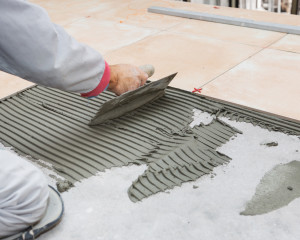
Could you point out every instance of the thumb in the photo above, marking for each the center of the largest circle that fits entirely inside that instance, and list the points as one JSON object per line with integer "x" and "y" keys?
{"x": 143, "y": 77}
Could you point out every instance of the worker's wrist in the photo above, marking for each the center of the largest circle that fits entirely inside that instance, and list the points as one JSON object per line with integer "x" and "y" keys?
{"x": 113, "y": 81}
{"x": 105, "y": 80}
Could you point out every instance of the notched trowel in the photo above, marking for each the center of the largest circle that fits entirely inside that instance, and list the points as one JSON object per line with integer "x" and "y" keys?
{"x": 132, "y": 100}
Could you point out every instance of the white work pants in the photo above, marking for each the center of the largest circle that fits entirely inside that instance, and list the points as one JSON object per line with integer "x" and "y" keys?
{"x": 23, "y": 193}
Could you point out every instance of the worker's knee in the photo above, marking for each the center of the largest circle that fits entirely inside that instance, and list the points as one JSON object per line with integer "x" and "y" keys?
{"x": 23, "y": 194}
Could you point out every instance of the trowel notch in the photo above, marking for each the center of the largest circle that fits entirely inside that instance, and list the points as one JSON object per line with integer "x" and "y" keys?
{"x": 131, "y": 100}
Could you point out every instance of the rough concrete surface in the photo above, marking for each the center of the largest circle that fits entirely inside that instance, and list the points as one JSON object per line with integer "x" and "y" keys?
{"x": 277, "y": 188}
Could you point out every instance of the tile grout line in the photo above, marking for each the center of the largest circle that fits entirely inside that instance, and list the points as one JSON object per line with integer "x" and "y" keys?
{"x": 151, "y": 35}
{"x": 277, "y": 40}
{"x": 231, "y": 68}
{"x": 219, "y": 39}
{"x": 263, "y": 48}
{"x": 111, "y": 51}
{"x": 289, "y": 51}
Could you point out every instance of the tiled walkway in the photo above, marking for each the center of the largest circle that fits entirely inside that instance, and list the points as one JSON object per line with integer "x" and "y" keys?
{"x": 256, "y": 68}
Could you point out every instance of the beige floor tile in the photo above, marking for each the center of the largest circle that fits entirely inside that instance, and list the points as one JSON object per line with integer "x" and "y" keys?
{"x": 65, "y": 12}
{"x": 289, "y": 43}
{"x": 80, "y": 6}
{"x": 105, "y": 36}
{"x": 83, "y": 8}
{"x": 268, "y": 81}
{"x": 63, "y": 19}
{"x": 227, "y": 32}
{"x": 197, "y": 60}
{"x": 10, "y": 84}
{"x": 135, "y": 12}
{"x": 68, "y": 11}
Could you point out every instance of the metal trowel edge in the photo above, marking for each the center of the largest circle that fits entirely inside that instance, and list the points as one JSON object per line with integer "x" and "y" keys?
{"x": 131, "y": 100}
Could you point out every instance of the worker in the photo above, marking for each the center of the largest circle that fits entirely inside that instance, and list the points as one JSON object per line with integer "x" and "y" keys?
{"x": 35, "y": 49}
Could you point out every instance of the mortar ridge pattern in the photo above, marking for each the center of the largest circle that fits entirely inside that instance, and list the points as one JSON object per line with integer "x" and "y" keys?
{"x": 52, "y": 125}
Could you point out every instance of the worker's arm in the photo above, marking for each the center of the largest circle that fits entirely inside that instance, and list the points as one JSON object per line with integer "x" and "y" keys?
{"x": 34, "y": 48}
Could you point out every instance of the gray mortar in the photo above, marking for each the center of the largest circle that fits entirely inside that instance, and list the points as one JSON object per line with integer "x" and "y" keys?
{"x": 63, "y": 185}
{"x": 270, "y": 144}
{"x": 52, "y": 125}
{"x": 277, "y": 188}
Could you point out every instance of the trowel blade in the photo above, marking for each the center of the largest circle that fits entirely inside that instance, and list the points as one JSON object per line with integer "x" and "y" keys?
{"x": 131, "y": 100}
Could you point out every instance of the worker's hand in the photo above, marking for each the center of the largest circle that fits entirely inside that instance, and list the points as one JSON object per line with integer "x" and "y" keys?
{"x": 125, "y": 77}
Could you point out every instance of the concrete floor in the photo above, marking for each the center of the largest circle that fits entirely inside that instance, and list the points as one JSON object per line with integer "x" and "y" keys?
{"x": 252, "y": 67}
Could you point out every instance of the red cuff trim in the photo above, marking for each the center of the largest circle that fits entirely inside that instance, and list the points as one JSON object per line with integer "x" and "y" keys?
{"x": 102, "y": 85}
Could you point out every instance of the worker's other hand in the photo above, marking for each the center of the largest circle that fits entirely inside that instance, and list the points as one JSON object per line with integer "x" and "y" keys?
{"x": 125, "y": 77}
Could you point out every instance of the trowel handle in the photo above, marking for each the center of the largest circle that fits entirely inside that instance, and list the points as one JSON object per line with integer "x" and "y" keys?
{"x": 149, "y": 69}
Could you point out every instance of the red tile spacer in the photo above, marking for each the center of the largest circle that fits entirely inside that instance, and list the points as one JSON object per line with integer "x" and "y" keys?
{"x": 197, "y": 90}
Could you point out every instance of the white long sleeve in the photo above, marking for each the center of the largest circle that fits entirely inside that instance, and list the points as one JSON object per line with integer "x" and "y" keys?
{"x": 34, "y": 48}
